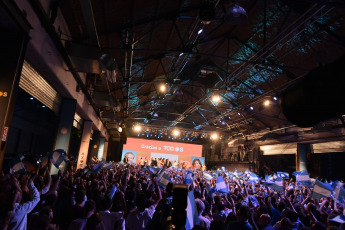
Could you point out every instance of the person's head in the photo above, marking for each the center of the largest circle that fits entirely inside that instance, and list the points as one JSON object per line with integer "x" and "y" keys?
{"x": 243, "y": 213}
{"x": 196, "y": 163}
{"x": 285, "y": 223}
{"x": 293, "y": 216}
{"x": 89, "y": 208}
{"x": 185, "y": 164}
{"x": 50, "y": 200}
{"x": 264, "y": 220}
{"x": 47, "y": 211}
{"x": 39, "y": 222}
{"x": 107, "y": 203}
{"x": 129, "y": 158}
{"x": 79, "y": 197}
{"x": 200, "y": 206}
{"x": 217, "y": 225}
{"x": 94, "y": 222}
{"x": 141, "y": 202}
{"x": 221, "y": 205}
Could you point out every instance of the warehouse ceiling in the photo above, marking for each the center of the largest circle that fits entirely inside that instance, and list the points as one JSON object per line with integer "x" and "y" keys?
{"x": 197, "y": 49}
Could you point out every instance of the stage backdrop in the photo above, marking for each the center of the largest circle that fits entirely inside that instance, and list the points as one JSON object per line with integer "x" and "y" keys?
{"x": 162, "y": 149}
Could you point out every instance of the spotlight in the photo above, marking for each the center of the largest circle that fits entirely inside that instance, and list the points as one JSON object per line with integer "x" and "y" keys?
{"x": 137, "y": 128}
{"x": 180, "y": 54}
{"x": 223, "y": 122}
{"x": 235, "y": 15}
{"x": 155, "y": 114}
{"x": 234, "y": 84}
{"x": 267, "y": 103}
{"x": 176, "y": 132}
{"x": 251, "y": 108}
{"x": 216, "y": 98}
{"x": 178, "y": 92}
{"x": 31, "y": 98}
{"x": 43, "y": 106}
{"x": 239, "y": 113}
{"x": 119, "y": 129}
{"x": 200, "y": 31}
{"x": 275, "y": 98}
{"x": 163, "y": 88}
{"x": 214, "y": 136}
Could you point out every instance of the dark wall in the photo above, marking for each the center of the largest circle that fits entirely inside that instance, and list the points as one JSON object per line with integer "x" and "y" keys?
{"x": 75, "y": 142}
{"x": 114, "y": 150}
{"x": 280, "y": 162}
{"x": 326, "y": 165}
{"x": 33, "y": 128}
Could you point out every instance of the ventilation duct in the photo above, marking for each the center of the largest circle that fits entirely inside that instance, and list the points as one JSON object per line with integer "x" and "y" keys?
{"x": 90, "y": 59}
{"x": 35, "y": 85}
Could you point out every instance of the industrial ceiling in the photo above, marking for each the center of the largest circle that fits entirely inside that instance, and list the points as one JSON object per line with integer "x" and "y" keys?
{"x": 198, "y": 49}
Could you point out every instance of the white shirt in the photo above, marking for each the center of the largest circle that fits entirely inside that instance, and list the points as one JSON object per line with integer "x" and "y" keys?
{"x": 78, "y": 224}
{"x": 109, "y": 219}
{"x": 139, "y": 220}
{"x": 20, "y": 211}
{"x": 204, "y": 222}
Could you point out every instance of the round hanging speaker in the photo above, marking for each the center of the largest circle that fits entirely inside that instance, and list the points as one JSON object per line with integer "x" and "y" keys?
{"x": 318, "y": 97}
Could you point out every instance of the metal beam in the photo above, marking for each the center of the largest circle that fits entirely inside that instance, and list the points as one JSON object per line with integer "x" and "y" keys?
{"x": 170, "y": 15}
{"x": 86, "y": 7}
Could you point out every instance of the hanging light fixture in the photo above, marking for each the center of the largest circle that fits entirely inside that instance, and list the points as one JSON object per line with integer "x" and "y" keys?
{"x": 235, "y": 15}
{"x": 207, "y": 12}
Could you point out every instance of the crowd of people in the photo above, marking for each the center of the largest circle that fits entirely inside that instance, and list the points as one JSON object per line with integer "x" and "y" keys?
{"x": 129, "y": 196}
{"x": 164, "y": 162}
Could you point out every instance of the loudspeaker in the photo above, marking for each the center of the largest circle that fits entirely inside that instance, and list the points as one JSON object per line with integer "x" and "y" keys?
{"x": 318, "y": 97}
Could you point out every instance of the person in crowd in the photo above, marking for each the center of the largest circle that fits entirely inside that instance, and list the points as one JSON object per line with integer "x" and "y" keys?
{"x": 185, "y": 165}
{"x": 129, "y": 158}
{"x": 203, "y": 168}
{"x": 26, "y": 198}
{"x": 196, "y": 163}
{"x": 133, "y": 196}
{"x": 88, "y": 210}
{"x": 140, "y": 217}
{"x": 203, "y": 221}
{"x": 111, "y": 220}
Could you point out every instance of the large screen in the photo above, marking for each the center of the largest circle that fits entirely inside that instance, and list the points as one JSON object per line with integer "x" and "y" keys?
{"x": 137, "y": 149}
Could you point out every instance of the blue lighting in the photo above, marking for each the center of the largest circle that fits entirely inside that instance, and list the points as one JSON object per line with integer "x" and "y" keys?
{"x": 43, "y": 106}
